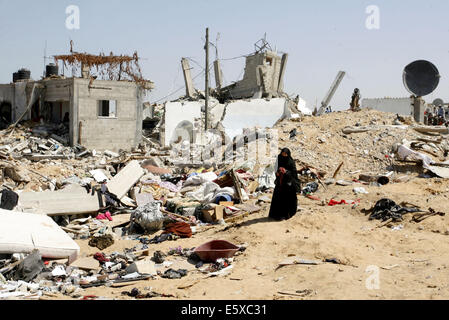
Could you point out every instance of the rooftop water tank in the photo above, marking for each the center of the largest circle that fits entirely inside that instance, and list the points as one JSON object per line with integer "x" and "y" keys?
{"x": 51, "y": 70}
{"x": 22, "y": 74}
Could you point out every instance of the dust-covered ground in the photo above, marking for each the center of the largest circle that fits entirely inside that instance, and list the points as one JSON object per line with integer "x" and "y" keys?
{"x": 409, "y": 261}
{"x": 412, "y": 261}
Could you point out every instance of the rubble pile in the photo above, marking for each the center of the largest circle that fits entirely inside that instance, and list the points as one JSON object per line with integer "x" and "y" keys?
{"x": 146, "y": 197}
{"x": 363, "y": 141}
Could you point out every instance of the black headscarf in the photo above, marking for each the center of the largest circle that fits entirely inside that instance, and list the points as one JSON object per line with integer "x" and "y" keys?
{"x": 286, "y": 162}
{"x": 289, "y": 164}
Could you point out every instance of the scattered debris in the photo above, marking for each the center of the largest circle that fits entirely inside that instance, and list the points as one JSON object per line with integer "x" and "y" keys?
{"x": 386, "y": 209}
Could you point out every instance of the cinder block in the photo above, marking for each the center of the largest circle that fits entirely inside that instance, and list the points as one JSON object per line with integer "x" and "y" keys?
{"x": 145, "y": 266}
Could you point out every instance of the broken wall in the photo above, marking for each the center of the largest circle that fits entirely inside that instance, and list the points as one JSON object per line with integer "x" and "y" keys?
{"x": 254, "y": 113}
{"x": 302, "y": 106}
{"x": 267, "y": 63}
{"x": 236, "y": 115}
{"x": 177, "y": 113}
{"x": 401, "y": 106}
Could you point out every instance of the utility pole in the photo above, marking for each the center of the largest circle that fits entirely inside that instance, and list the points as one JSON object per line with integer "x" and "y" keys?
{"x": 331, "y": 92}
{"x": 206, "y": 107}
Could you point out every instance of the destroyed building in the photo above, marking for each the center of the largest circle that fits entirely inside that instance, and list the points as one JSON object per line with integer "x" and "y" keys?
{"x": 257, "y": 100}
{"x": 98, "y": 114}
{"x": 263, "y": 77}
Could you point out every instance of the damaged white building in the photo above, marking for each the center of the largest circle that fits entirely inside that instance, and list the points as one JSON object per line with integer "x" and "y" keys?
{"x": 257, "y": 100}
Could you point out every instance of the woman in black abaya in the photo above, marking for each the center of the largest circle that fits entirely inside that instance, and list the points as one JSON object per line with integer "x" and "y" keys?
{"x": 284, "y": 202}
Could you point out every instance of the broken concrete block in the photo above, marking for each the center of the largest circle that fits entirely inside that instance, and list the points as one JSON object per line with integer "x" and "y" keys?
{"x": 21, "y": 146}
{"x": 5, "y": 148}
{"x": 30, "y": 267}
{"x": 145, "y": 266}
{"x": 88, "y": 264}
{"x": 125, "y": 179}
{"x": 44, "y": 147}
{"x": 59, "y": 139}
{"x": 128, "y": 201}
{"x": 71, "y": 201}
{"x": 16, "y": 174}
{"x": 98, "y": 175}
{"x": 157, "y": 170}
{"x": 4, "y": 154}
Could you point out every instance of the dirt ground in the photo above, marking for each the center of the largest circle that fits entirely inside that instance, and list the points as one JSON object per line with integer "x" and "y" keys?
{"x": 409, "y": 262}
{"x": 412, "y": 261}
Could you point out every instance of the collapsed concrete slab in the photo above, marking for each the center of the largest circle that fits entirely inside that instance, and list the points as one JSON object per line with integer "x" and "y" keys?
{"x": 73, "y": 200}
{"x": 25, "y": 232}
{"x": 126, "y": 179}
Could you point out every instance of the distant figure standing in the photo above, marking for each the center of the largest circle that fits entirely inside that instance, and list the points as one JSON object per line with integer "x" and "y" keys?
{"x": 285, "y": 202}
{"x": 441, "y": 112}
{"x": 355, "y": 100}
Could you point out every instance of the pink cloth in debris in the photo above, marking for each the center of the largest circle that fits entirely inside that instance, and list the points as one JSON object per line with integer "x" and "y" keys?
{"x": 106, "y": 216}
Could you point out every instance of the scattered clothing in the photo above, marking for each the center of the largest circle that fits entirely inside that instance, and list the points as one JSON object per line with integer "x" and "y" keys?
{"x": 159, "y": 257}
{"x": 181, "y": 229}
{"x": 293, "y": 134}
{"x": 386, "y": 209}
{"x": 135, "y": 293}
{"x": 333, "y": 202}
{"x": 106, "y": 216}
{"x": 311, "y": 187}
{"x": 111, "y": 199}
{"x": 100, "y": 257}
{"x": 164, "y": 237}
{"x": 174, "y": 274}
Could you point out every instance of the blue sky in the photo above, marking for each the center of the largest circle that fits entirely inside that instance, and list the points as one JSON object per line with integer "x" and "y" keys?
{"x": 321, "y": 37}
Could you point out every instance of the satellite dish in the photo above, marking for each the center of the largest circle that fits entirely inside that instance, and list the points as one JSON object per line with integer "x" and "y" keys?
{"x": 421, "y": 78}
{"x": 438, "y": 102}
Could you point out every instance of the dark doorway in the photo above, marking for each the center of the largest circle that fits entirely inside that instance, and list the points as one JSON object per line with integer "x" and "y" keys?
{"x": 35, "y": 112}
{"x": 5, "y": 115}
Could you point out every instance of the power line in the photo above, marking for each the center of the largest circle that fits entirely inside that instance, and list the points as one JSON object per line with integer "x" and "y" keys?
{"x": 243, "y": 56}
{"x": 202, "y": 71}
{"x": 199, "y": 74}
